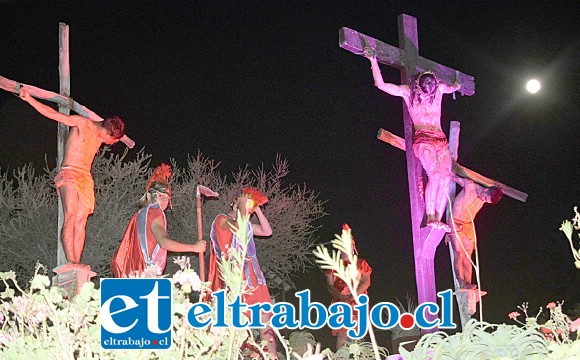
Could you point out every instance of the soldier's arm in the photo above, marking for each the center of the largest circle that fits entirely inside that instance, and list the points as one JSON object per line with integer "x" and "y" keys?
{"x": 47, "y": 111}
{"x": 264, "y": 228}
{"x": 158, "y": 230}
{"x": 330, "y": 286}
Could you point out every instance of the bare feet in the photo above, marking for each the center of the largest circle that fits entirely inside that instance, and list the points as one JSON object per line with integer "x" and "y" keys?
{"x": 468, "y": 286}
{"x": 439, "y": 225}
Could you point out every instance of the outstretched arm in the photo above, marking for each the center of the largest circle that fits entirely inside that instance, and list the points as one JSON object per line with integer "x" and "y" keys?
{"x": 459, "y": 180}
{"x": 68, "y": 120}
{"x": 168, "y": 244}
{"x": 463, "y": 182}
{"x": 391, "y": 89}
{"x": 448, "y": 89}
{"x": 263, "y": 228}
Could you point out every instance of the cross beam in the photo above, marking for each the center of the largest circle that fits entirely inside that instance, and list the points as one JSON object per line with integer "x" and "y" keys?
{"x": 458, "y": 169}
{"x": 355, "y": 42}
{"x": 62, "y": 101}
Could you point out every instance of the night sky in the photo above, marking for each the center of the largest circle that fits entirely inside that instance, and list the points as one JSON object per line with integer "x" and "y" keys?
{"x": 243, "y": 81}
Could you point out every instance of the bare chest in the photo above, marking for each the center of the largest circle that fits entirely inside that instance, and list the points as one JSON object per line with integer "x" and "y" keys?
{"x": 81, "y": 147}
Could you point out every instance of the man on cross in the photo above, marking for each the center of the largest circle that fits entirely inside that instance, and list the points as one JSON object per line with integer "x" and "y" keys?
{"x": 423, "y": 99}
{"x": 74, "y": 182}
{"x": 466, "y": 206}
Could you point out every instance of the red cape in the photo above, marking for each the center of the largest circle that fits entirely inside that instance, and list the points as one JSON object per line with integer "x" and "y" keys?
{"x": 128, "y": 257}
{"x": 224, "y": 238}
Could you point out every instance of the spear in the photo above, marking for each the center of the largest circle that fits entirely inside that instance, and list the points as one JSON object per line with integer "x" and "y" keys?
{"x": 199, "y": 192}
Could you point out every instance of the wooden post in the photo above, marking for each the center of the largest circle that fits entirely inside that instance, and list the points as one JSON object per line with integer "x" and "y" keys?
{"x": 70, "y": 277}
{"x": 62, "y": 131}
{"x": 462, "y": 300}
{"x": 200, "y": 235}
{"x": 424, "y": 273}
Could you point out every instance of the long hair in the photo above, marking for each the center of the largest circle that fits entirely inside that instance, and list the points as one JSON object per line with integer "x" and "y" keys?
{"x": 115, "y": 126}
{"x": 496, "y": 194}
{"x": 418, "y": 85}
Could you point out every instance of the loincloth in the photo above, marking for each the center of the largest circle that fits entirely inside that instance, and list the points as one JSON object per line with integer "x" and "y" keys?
{"x": 464, "y": 229}
{"x": 82, "y": 180}
{"x": 435, "y": 139}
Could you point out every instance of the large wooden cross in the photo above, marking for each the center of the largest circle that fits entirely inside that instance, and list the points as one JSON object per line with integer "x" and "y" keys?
{"x": 406, "y": 58}
{"x": 462, "y": 171}
{"x": 65, "y": 104}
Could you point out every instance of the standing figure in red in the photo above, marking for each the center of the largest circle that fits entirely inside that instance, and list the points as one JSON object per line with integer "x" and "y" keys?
{"x": 145, "y": 243}
{"x": 340, "y": 291}
{"x": 249, "y": 201}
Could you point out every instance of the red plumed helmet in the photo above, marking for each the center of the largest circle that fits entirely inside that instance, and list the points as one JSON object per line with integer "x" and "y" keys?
{"x": 345, "y": 227}
{"x": 256, "y": 195}
{"x": 160, "y": 179}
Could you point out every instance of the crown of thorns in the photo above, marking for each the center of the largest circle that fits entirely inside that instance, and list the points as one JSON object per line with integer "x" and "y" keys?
{"x": 417, "y": 81}
{"x": 428, "y": 72}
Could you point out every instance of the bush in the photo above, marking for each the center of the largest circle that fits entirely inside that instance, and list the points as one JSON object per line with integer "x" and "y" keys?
{"x": 29, "y": 212}
{"x": 41, "y": 321}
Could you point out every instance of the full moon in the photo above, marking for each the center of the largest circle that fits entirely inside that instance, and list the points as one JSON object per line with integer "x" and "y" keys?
{"x": 533, "y": 86}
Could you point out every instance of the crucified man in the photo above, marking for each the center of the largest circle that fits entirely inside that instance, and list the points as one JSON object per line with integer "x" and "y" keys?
{"x": 423, "y": 99}
{"x": 74, "y": 182}
{"x": 466, "y": 206}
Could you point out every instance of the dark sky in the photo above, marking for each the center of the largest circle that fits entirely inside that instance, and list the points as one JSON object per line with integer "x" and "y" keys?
{"x": 242, "y": 81}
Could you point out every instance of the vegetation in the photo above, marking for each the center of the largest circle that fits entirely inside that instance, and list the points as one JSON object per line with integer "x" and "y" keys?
{"x": 38, "y": 319}
{"x": 28, "y": 212}
{"x": 41, "y": 321}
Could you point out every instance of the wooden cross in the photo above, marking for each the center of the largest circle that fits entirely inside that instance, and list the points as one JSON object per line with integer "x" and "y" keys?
{"x": 65, "y": 104}
{"x": 407, "y": 60}
{"x": 463, "y": 172}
